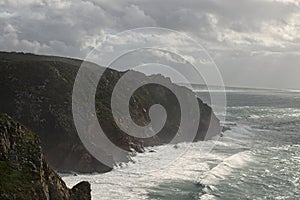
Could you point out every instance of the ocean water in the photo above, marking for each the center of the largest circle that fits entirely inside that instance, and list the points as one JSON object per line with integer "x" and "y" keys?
{"x": 258, "y": 158}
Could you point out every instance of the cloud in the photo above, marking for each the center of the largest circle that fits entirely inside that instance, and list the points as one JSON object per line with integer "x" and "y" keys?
{"x": 229, "y": 30}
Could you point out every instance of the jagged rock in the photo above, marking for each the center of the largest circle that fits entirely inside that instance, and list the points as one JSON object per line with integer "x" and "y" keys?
{"x": 24, "y": 172}
{"x": 225, "y": 128}
{"x": 81, "y": 191}
{"x": 37, "y": 91}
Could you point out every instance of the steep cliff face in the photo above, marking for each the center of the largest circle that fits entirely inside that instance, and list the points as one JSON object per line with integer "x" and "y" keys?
{"x": 37, "y": 91}
{"x": 24, "y": 172}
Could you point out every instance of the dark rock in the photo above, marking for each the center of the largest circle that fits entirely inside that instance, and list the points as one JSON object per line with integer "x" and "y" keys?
{"x": 81, "y": 191}
{"x": 225, "y": 128}
{"x": 24, "y": 172}
{"x": 37, "y": 91}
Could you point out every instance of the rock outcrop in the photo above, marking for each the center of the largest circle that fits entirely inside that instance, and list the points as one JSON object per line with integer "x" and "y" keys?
{"x": 37, "y": 91}
{"x": 24, "y": 172}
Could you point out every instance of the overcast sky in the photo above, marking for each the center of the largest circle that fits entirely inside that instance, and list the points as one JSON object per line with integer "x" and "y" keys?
{"x": 255, "y": 43}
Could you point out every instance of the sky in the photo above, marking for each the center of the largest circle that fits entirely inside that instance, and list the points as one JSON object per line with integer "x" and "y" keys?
{"x": 254, "y": 43}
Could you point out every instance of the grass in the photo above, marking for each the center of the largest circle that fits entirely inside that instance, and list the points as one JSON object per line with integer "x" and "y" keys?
{"x": 13, "y": 182}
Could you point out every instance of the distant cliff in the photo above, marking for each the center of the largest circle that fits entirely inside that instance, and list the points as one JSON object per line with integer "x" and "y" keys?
{"x": 24, "y": 172}
{"x": 37, "y": 91}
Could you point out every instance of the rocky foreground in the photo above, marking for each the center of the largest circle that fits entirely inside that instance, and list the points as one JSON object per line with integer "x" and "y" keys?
{"x": 24, "y": 171}
{"x": 37, "y": 91}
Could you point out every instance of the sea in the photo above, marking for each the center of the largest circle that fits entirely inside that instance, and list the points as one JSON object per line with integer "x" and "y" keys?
{"x": 257, "y": 158}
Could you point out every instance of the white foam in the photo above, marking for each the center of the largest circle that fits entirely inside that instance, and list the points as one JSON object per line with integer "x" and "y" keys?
{"x": 134, "y": 179}
{"x": 207, "y": 197}
{"x": 225, "y": 168}
{"x": 166, "y": 163}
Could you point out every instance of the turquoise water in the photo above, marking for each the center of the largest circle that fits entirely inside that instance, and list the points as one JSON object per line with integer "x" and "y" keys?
{"x": 258, "y": 158}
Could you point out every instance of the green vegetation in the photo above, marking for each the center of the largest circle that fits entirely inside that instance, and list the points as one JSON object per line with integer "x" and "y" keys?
{"x": 25, "y": 174}
{"x": 37, "y": 91}
{"x": 13, "y": 182}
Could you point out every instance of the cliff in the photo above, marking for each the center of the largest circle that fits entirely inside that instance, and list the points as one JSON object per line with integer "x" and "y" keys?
{"x": 37, "y": 91}
{"x": 24, "y": 172}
